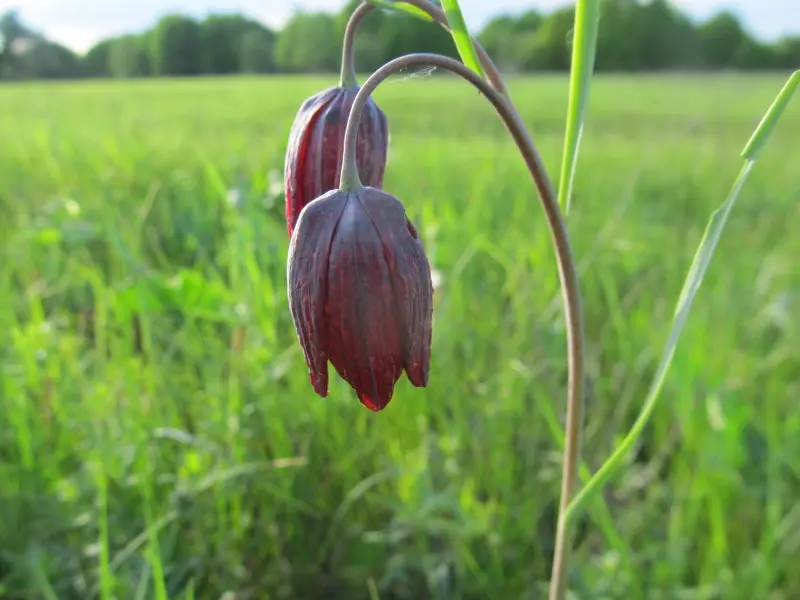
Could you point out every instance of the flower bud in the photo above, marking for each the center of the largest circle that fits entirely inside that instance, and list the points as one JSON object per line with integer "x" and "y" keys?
{"x": 316, "y": 145}
{"x": 360, "y": 293}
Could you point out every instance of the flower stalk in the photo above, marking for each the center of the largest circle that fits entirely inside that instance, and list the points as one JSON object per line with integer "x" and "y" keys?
{"x": 311, "y": 169}
{"x": 436, "y": 13}
{"x": 348, "y": 77}
{"x": 560, "y": 238}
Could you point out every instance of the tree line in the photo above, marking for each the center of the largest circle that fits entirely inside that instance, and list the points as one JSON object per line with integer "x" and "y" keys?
{"x": 634, "y": 36}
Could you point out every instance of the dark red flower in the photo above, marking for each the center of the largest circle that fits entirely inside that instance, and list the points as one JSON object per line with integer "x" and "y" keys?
{"x": 316, "y": 145}
{"x": 360, "y": 293}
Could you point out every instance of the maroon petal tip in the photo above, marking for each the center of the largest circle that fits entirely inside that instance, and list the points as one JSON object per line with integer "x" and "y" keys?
{"x": 373, "y": 405}
{"x": 417, "y": 374}
{"x": 319, "y": 381}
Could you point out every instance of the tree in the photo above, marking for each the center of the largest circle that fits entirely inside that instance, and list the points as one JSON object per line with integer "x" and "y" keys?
{"x": 256, "y": 51}
{"x": 15, "y": 38}
{"x": 505, "y": 36}
{"x": 634, "y": 35}
{"x": 176, "y": 47}
{"x": 309, "y": 43}
{"x": 222, "y": 38}
{"x": 665, "y": 38}
{"x": 619, "y": 40}
{"x": 721, "y": 38}
{"x": 787, "y": 53}
{"x": 96, "y": 62}
{"x": 752, "y": 55}
{"x": 43, "y": 59}
{"x": 551, "y": 46}
{"x": 128, "y": 56}
{"x": 25, "y": 54}
{"x": 401, "y": 34}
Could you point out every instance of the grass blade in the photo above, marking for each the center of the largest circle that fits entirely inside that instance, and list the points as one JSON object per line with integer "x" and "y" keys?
{"x": 587, "y": 16}
{"x": 401, "y": 7}
{"x": 767, "y": 124}
{"x": 694, "y": 279}
{"x": 461, "y": 37}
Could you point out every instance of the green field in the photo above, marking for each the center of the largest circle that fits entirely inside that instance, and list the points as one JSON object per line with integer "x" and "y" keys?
{"x": 159, "y": 437}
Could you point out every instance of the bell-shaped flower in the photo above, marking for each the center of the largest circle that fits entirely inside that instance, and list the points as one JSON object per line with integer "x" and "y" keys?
{"x": 360, "y": 293}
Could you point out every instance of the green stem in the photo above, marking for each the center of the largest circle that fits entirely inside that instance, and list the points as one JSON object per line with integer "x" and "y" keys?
{"x": 348, "y": 74}
{"x": 566, "y": 266}
{"x": 756, "y": 142}
{"x": 691, "y": 285}
{"x": 491, "y": 71}
{"x": 584, "y": 48}
{"x": 461, "y": 37}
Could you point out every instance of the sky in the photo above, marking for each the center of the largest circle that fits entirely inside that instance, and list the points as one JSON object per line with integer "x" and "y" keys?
{"x": 79, "y": 24}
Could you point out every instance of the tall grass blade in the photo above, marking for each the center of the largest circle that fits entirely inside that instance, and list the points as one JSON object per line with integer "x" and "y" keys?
{"x": 401, "y": 7}
{"x": 461, "y": 37}
{"x": 587, "y": 16}
{"x": 694, "y": 279}
{"x": 770, "y": 120}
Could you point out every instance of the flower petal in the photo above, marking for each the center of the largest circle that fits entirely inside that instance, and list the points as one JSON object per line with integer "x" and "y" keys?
{"x": 297, "y": 153}
{"x": 410, "y": 274}
{"x": 307, "y": 281}
{"x": 327, "y": 144}
{"x": 365, "y": 344}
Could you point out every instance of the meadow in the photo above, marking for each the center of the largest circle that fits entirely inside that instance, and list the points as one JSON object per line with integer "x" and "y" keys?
{"x": 159, "y": 437}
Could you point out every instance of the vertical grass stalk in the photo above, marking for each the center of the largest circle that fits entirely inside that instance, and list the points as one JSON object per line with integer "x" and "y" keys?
{"x": 587, "y": 17}
{"x": 587, "y": 14}
{"x": 461, "y": 37}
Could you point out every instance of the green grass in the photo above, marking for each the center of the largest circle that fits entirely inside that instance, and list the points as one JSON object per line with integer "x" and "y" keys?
{"x": 159, "y": 437}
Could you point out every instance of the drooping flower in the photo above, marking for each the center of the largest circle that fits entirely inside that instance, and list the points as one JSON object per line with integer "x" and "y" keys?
{"x": 316, "y": 145}
{"x": 360, "y": 293}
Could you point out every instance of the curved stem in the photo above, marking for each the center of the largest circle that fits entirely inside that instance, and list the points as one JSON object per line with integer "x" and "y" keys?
{"x": 348, "y": 74}
{"x": 348, "y": 71}
{"x": 438, "y": 15}
{"x": 566, "y": 265}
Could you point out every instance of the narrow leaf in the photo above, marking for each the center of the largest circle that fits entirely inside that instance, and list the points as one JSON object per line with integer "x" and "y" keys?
{"x": 402, "y": 7}
{"x": 458, "y": 29}
{"x": 691, "y": 285}
{"x": 587, "y": 16}
{"x": 767, "y": 124}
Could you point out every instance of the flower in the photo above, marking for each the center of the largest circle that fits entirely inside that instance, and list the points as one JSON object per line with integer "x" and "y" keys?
{"x": 360, "y": 293}
{"x": 316, "y": 145}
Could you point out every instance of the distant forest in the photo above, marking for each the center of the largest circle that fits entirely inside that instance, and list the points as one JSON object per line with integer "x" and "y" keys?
{"x": 634, "y": 36}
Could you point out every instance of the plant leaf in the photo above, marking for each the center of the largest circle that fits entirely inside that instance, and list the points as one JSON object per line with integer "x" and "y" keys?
{"x": 587, "y": 16}
{"x": 756, "y": 142}
{"x": 691, "y": 285}
{"x": 461, "y": 37}
{"x": 402, "y": 7}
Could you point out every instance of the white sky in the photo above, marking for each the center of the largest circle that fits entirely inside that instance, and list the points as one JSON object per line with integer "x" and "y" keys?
{"x": 80, "y": 23}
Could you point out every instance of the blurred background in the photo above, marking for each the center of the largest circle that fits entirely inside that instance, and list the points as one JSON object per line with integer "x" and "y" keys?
{"x": 159, "y": 437}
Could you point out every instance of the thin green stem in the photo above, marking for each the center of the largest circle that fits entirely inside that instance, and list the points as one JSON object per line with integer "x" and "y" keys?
{"x": 587, "y": 16}
{"x": 489, "y": 68}
{"x": 348, "y": 74}
{"x": 403, "y": 7}
{"x": 566, "y": 266}
{"x": 461, "y": 37}
{"x": 691, "y": 285}
{"x": 756, "y": 142}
